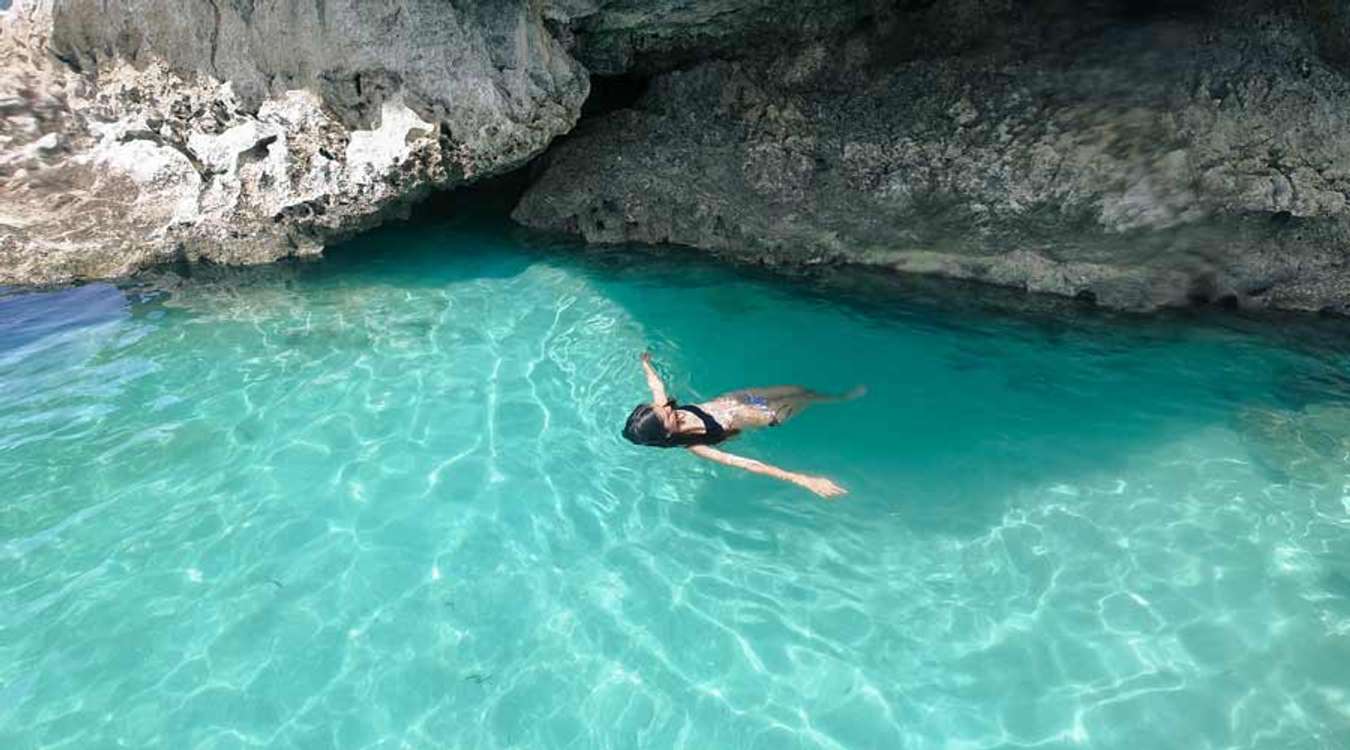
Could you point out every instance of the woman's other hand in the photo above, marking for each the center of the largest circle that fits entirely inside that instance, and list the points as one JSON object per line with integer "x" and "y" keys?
{"x": 822, "y": 486}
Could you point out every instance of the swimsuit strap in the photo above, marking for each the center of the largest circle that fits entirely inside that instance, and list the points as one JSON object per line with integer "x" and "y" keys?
{"x": 715, "y": 432}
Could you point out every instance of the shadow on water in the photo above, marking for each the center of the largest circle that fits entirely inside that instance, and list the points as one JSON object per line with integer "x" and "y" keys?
{"x": 28, "y": 316}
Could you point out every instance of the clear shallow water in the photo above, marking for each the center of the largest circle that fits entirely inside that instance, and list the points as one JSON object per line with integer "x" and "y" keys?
{"x": 381, "y": 501}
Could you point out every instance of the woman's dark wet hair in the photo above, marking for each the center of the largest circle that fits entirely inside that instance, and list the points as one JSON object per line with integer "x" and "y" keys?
{"x": 645, "y": 427}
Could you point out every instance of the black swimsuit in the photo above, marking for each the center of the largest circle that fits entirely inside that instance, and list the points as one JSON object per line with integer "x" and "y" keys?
{"x": 714, "y": 432}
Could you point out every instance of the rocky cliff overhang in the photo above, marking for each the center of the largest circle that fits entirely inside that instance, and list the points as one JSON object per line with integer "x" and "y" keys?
{"x": 1135, "y": 153}
{"x": 138, "y": 131}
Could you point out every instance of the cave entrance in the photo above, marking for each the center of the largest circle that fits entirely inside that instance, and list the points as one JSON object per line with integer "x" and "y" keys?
{"x": 1148, "y": 10}
{"x": 489, "y": 197}
{"x": 497, "y": 196}
{"x": 611, "y": 93}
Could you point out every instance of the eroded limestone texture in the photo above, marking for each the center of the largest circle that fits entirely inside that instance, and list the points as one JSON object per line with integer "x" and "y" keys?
{"x": 1138, "y": 162}
{"x": 135, "y": 132}
{"x": 1133, "y": 153}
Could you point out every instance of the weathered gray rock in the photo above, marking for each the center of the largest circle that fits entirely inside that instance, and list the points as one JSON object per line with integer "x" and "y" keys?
{"x": 1055, "y": 145}
{"x": 139, "y": 131}
{"x": 1139, "y": 164}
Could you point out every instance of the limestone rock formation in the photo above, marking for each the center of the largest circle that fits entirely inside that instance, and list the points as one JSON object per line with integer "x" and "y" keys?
{"x": 1134, "y": 153}
{"x": 1137, "y": 162}
{"x": 141, "y": 131}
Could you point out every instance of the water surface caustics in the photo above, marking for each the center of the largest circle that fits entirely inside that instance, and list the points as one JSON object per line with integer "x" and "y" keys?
{"x": 381, "y": 501}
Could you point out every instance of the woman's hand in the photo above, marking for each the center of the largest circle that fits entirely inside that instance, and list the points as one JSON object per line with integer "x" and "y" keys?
{"x": 823, "y": 487}
{"x": 654, "y": 383}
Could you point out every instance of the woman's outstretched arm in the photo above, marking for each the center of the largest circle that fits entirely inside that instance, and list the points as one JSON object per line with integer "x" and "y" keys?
{"x": 819, "y": 485}
{"x": 659, "y": 397}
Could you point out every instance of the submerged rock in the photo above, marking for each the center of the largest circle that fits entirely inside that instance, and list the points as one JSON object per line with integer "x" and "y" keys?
{"x": 1311, "y": 444}
{"x": 1137, "y": 164}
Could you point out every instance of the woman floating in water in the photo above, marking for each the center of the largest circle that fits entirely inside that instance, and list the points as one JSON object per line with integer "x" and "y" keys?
{"x": 699, "y": 427}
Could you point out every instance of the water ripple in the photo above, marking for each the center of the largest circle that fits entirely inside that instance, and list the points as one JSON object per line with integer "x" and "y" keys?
{"x": 363, "y": 507}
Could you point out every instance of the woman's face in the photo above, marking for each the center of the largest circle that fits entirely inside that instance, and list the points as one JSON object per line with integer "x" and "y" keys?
{"x": 668, "y": 417}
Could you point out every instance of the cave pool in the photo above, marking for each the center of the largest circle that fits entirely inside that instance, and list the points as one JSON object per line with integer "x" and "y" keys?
{"x": 381, "y": 501}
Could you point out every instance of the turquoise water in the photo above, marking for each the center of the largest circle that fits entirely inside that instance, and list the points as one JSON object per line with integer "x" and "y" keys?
{"x": 381, "y": 501}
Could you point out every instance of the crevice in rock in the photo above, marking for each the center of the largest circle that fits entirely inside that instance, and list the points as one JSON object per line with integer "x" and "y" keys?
{"x": 215, "y": 35}
{"x": 612, "y": 93}
{"x": 149, "y": 135}
{"x": 490, "y": 198}
{"x": 255, "y": 153}
{"x": 1149, "y": 10}
{"x": 495, "y": 197}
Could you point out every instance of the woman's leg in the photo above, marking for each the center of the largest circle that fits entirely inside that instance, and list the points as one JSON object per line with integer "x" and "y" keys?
{"x": 787, "y": 401}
